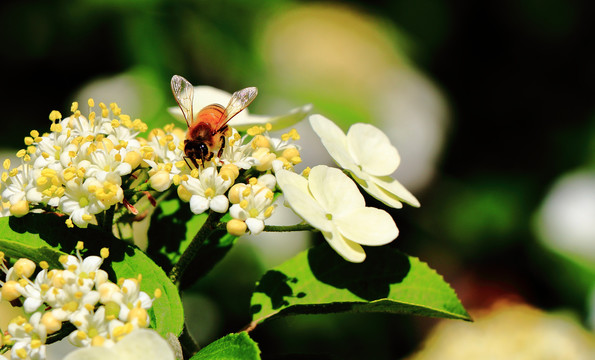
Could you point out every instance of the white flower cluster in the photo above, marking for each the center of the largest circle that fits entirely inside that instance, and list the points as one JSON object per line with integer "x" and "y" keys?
{"x": 77, "y": 167}
{"x": 101, "y": 311}
{"x": 329, "y": 201}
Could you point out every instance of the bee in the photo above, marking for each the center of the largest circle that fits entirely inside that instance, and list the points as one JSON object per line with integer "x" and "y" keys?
{"x": 208, "y": 129}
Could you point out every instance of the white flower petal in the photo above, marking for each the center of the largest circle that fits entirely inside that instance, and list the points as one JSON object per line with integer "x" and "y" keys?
{"x": 297, "y": 195}
{"x": 255, "y": 226}
{"x": 349, "y": 250}
{"x": 237, "y": 212}
{"x": 31, "y": 304}
{"x": 219, "y": 203}
{"x": 333, "y": 139}
{"x": 372, "y": 150}
{"x": 393, "y": 188}
{"x": 198, "y": 204}
{"x": 144, "y": 344}
{"x": 377, "y": 192}
{"x": 367, "y": 226}
{"x": 293, "y": 117}
{"x": 333, "y": 190}
{"x": 93, "y": 353}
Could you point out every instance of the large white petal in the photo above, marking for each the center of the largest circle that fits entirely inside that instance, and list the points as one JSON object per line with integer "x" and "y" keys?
{"x": 93, "y": 353}
{"x": 377, "y": 192}
{"x": 372, "y": 150}
{"x": 367, "y": 226}
{"x": 294, "y": 116}
{"x": 298, "y": 196}
{"x": 349, "y": 250}
{"x": 334, "y": 190}
{"x": 144, "y": 344}
{"x": 333, "y": 139}
{"x": 394, "y": 188}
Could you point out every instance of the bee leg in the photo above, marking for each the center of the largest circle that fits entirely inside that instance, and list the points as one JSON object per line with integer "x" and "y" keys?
{"x": 220, "y": 152}
{"x": 186, "y": 158}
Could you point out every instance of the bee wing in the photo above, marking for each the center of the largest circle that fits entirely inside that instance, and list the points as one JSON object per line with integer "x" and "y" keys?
{"x": 239, "y": 101}
{"x": 184, "y": 94}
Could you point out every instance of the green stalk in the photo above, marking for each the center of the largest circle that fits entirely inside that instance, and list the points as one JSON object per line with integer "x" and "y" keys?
{"x": 288, "y": 228}
{"x": 191, "y": 251}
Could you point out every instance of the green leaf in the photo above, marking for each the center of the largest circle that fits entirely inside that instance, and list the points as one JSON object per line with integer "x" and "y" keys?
{"x": 230, "y": 347}
{"x": 320, "y": 281}
{"x": 46, "y": 237}
{"x": 173, "y": 226}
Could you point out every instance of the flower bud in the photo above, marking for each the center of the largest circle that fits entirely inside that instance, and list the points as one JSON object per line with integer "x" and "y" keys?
{"x": 51, "y": 323}
{"x": 133, "y": 158}
{"x": 229, "y": 172}
{"x": 183, "y": 193}
{"x": 234, "y": 193}
{"x": 9, "y": 291}
{"x": 20, "y": 208}
{"x": 265, "y": 159}
{"x": 236, "y": 227}
{"x": 160, "y": 181}
{"x": 24, "y": 267}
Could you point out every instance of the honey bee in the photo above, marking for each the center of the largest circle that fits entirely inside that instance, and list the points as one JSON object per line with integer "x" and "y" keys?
{"x": 208, "y": 129}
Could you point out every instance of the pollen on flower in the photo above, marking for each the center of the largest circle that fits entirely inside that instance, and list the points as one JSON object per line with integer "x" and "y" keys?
{"x": 55, "y": 115}
{"x": 21, "y": 353}
{"x": 255, "y": 130}
{"x": 104, "y": 253}
{"x": 260, "y": 141}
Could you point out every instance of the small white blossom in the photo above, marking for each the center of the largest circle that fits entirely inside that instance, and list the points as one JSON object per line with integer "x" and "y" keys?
{"x": 208, "y": 191}
{"x": 131, "y": 296}
{"x": 90, "y": 326}
{"x": 329, "y": 201}
{"x": 17, "y": 185}
{"x": 366, "y": 152}
{"x": 80, "y": 201}
{"x": 35, "y": 293}
{"x": 29, "y": 338}
{"x": 253, "y": 203}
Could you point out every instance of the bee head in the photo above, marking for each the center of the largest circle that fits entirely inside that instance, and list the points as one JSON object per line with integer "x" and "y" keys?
{"x": 197, "y": 150}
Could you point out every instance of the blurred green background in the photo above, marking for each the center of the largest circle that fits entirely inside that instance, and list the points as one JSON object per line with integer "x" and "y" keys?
{"x": 490, "y": 104}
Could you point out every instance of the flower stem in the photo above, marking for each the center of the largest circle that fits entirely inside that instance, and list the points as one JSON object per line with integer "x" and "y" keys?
{"x": 175, "y": 275}
{"x": 108, "y": 219}
{"x": 288, "y": 228}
